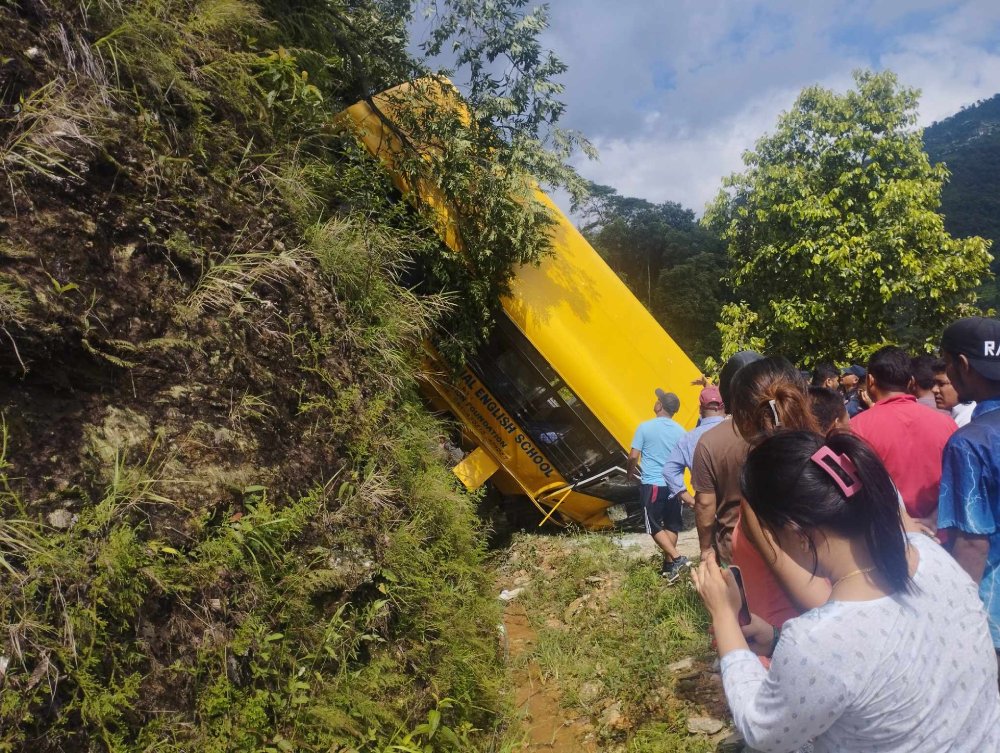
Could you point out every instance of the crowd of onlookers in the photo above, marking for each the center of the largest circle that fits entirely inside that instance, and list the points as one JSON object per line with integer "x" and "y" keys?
{"x": 928, "y": 382}
{"x": 861, "y": 510}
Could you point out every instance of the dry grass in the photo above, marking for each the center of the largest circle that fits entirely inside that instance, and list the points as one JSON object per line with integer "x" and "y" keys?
{"x": 229, "y": 285}
{"x": 50, "y": 126}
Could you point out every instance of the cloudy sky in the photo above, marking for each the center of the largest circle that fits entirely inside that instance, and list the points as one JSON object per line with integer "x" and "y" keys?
{"x": 672, "y": 91}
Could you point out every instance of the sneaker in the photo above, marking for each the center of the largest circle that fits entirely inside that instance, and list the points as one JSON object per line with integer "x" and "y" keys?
{"x": 672, "y": 572}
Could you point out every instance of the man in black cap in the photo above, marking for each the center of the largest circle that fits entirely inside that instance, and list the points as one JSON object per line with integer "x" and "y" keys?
{"x": 852, "y": 382}
{"x": 969, "y": 500}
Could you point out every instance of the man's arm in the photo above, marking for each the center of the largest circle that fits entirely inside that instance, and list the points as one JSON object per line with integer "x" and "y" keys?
{"x": 705, "y": 501}
{"x": 633, "y": 462}
{"x": 704, "y": 519}
{"x": 964, "y": 506}
{"x": 673, "y": 470}
{"x": 971, "y": 551}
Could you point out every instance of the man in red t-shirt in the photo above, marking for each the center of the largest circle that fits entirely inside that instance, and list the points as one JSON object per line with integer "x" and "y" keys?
{"x": 907, "y": 436}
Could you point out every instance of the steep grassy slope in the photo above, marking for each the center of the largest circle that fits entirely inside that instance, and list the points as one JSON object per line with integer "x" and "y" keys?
{"x": 225, "y": 523}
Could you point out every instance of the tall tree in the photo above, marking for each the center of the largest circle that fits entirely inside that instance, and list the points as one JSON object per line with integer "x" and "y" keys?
{"x": 671, "y": 263}
{"x": 835, "y": 233}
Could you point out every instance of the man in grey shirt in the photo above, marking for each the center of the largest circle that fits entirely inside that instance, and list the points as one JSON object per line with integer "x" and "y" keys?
{"x": 712, "y": 412}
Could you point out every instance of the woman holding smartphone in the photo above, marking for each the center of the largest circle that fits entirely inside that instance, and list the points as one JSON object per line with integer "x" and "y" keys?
{"x": 899, "y": 657}
{"x": 768, "y": 396}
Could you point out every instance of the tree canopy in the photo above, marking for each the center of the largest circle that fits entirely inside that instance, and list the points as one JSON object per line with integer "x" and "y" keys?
{"x": 835, "y": 234}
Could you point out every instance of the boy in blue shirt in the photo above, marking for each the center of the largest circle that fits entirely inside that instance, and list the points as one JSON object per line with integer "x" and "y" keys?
{"x": 654, "y": 440}
{"x": 969, "y": 499}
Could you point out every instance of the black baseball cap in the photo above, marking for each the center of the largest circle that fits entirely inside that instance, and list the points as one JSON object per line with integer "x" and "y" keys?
{"x": 859, "y": 371}
{"x": 670, "y": 402}
{"x": 978, "y": 339}
{"x": 734, "y": 364}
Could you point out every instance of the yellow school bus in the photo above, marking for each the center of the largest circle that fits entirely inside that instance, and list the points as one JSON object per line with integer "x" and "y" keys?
{"x": 549, "y": 405}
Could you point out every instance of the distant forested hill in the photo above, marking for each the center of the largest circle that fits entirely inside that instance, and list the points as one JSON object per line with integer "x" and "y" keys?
{"x": 969, "y": 143}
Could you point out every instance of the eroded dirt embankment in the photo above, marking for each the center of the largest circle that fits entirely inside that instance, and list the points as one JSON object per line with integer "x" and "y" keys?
{"x": 226, "y": 519}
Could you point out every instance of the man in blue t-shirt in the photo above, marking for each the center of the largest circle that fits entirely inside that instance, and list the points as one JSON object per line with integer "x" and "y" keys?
{"x": 969, "y": 501}
{"x": 852, "y": 384}
{"x": 653, "y": 442}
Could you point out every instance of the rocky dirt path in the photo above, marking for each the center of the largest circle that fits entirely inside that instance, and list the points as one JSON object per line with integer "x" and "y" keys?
{"x": 548, "y": 725}
{"x": 604, "y": 656}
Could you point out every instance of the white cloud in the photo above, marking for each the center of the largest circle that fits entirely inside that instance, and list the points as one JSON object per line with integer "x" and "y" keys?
{"x": 738, "y": 66}
{"x": 685, "y": 167}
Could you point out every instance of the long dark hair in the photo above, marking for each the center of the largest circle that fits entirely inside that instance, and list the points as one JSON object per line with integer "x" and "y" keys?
{"x": 787, "y": 489}
{"x": 767, "y": 395}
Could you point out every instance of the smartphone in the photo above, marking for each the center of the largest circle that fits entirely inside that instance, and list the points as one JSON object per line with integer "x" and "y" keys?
{"x": 744, "y": 614}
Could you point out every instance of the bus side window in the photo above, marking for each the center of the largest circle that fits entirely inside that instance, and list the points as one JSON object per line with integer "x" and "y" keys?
{"x": 545, "y": 407}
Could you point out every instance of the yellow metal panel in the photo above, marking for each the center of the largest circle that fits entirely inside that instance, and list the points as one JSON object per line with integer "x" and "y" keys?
{"x": 475, "y": 468}
{"x": 574, "y": 309}
{"x": 597, "y": 335}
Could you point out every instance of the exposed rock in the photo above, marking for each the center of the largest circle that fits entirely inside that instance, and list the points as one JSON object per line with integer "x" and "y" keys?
{"x": 613, "y": 718}
{"x": 574, "y": 607}
{"x": 704, "y": 725}
{"x": 684, "y": 665}
{"x": 61, "y": 519}
{"x": 732, "y": 744}
{"x": 591, "y": 691}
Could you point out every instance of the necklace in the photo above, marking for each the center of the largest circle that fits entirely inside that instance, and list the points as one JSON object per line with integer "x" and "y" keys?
{"x": 851, "y": 575}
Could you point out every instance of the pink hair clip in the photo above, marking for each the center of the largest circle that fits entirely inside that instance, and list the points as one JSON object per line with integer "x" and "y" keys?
{"x": 827, "y": 459}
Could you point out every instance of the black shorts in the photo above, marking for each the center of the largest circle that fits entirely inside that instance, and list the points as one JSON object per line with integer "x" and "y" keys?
{"x": 662, "y": 512}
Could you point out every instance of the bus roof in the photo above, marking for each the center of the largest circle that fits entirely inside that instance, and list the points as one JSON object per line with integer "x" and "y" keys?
{"x": 597, "y": 335}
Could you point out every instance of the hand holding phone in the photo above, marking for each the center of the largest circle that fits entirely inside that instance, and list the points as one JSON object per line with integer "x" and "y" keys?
{"x": 740, "y": 595}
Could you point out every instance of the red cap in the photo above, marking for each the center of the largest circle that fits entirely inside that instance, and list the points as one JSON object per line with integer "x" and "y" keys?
{"x": 710, "y": 395}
